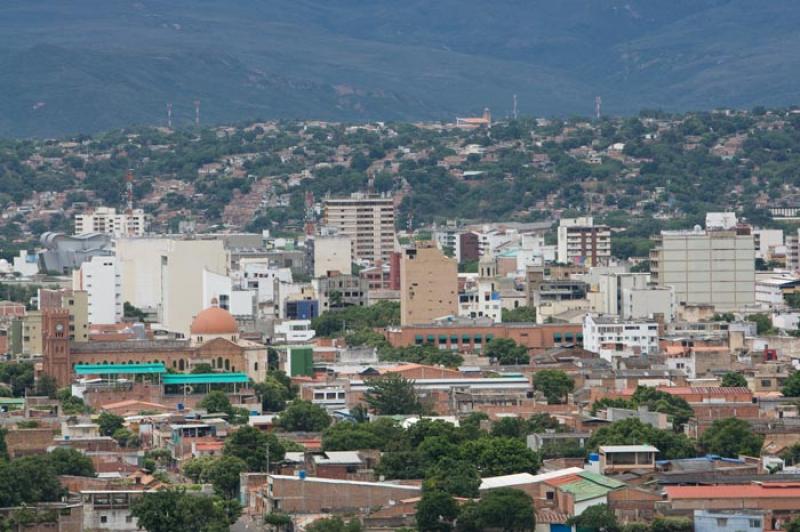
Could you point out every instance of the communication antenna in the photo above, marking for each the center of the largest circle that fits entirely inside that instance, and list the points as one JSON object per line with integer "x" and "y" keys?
{"x": 514, "y": 112}
{"x": 197, "y": 113}
{"x": 129, "y": 191}
{"x": 169, "y": 115}
{"x": 598, "y": 101}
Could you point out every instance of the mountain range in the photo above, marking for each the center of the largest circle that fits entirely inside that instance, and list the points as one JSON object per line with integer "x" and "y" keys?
{"x": 88, "y": 65}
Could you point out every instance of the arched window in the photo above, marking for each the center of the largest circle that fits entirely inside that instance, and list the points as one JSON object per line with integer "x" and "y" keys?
{"x": 255, "y": 366}
{"x": 219, "y": 362}
{"x": 174, "y": 363}
{"x": 227, "y": 364}
{"x": 181, "y": 365}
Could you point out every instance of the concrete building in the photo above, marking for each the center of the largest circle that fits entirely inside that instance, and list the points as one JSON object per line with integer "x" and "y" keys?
{"x": 649, "y": 302}
{"x": 428, "y": 284}
{"x": 766, "y": 241}
{"x": 76, "y": 302}
{"x": 100, "y": 279}
{"x": 624, "y": 458}
{"x": 715, "y": 267}
{"x": 611, "y": 336}
{"x": 166, "y": 275}
{"x": 582, "y": 242}
{"x": 107, "y": 220}
{"x": 339, "y": 291}
{"x": 367, "y": 220}
{"x": 332, "y": 254}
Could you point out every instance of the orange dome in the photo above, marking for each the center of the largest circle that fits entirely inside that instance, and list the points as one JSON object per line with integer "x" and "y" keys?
{"x": 214, "y": 320}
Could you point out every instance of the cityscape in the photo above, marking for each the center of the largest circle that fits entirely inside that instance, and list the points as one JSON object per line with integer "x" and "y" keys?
{"x": 363, "y": 320}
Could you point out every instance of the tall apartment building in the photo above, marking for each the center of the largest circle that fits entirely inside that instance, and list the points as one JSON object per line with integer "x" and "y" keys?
{"x": 100, "y": 279}
{"x": 108, "y": 220}
{"x": 368, "y": 220}
{"x": 582, "y": 242}
{"x": 428, "y": 284}
{"x": 714, "y": 267}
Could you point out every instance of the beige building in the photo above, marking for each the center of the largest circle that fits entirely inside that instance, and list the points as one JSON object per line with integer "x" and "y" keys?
{"x": 582, "y": 242}
{"x": 714, "y": 267}
{"x": 428, "y": 284}
{"x": 332, "y": 254}
{"x": 108, "y": 220}
{"x": 76, "y": 302}
{"x": 368, "y": 220}
{"x": 166, "y": 275}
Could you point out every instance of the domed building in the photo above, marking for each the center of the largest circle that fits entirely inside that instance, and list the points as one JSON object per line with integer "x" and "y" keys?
{"x": 213, "y": 322}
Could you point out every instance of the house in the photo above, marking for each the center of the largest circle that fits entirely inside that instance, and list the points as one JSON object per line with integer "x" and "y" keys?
{"x": 622, "y": 458}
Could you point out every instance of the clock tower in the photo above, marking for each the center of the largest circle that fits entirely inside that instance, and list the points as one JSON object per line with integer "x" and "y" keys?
{"x": 55, "y": 344}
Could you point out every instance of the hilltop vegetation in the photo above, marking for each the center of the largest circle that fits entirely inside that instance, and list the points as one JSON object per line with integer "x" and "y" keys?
{"x": 96, "y": 65}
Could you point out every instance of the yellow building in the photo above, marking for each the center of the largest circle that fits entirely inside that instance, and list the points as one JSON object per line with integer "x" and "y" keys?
{"x": 428, "y": 284}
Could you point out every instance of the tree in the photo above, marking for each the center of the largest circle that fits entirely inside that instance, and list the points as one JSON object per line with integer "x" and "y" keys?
{"x": 273, "y": 394}
{"x": 304, "y": 416}
{"x": 500, "y": 456}
{"x": 68, "y": 461}
{"x": 731, "y": 437}
{"x": 46, "y": 386}
{"x": 175, "y": 510}
{"x": 392, "y": 394}
{"x": 763, "y": 323}
{"x": 791, "y": 386}
{"x": 505, "y": 509}
{"x": 665, "y": 403}
{"x": 507, "y": 352}
{"x": 554, "y": 384}
{"x": 510, "y": 427}
{"x": 599, "y": 518}
{"x": 109, "y": 423}
{"x": 29, "y": 480}
{"x": 671, "y": 524}
{"x": 3, "y": 445}
{"x": 734, "y": 380}
{"x": 224, "y": 473}
{"x": 196, "y": 468}
{"x": 250, "y": 444}
{"x": 334, "y": 524}
{"x": 633, "y": 432}
{"x": 203, "y": 367}
{"x": 459, "y": 478}
{"x": 519, "y": 315}
{"x": 125, "y": 438}
{"x": 131, "y": 311}
{"x": 436, "y": 511}
{"x": 216, "y": 402}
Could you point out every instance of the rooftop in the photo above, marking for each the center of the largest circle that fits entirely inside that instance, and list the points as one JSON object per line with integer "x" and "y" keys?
{"x": 628, "y": 449}
{"x": 736, "y": 491}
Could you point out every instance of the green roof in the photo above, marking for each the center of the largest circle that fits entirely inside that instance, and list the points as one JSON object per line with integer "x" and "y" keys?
{"x": 205, "y": 378}
{"x": 591, "y": 486}
{"x": 107, "y": 369}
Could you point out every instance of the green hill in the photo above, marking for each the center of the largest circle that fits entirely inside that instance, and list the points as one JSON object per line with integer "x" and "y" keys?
{"x": 90, "y": 65}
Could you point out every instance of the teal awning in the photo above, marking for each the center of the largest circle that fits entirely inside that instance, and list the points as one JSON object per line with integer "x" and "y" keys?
{"x": 113, "y": 369}
{"x": 205, "y": 378}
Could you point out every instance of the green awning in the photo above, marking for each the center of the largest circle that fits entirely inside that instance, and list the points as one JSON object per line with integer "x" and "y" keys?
{"x": 418, "y": 338}
{"x": 110, "y": 369}
{"x": 466, "y": 338}
{"x": 454, "y": 339}
{"x": 556, "y": 337}
{"x": 431, "y": 338}
{"x": 205, "y": 378}
{"x": 442, "y": 339}
{"x": 478, "y": 338}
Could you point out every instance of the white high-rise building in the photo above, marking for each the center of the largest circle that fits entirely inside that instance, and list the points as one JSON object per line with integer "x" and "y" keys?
{"x": 367, "y": 220}
{"x": 100, "y": 279}
{"x": 108, "y": 220}
{"x": 714, "y": 267}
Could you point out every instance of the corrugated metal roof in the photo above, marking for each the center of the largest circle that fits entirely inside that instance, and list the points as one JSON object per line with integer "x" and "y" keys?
{"x": 107, "y": 369}
{"x": 628, "y": 449}
{"x": 205, "y": 378}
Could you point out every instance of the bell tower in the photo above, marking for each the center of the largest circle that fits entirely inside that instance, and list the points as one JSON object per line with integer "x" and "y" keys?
{"x": 55, "y": 345}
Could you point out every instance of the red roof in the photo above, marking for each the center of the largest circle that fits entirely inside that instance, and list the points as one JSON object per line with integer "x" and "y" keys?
{"x": 735, "y": 491}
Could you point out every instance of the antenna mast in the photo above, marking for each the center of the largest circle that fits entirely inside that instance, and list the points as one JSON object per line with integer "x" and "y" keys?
{"x": 129, "y": 191}
{"x": 514, "y": 112}
{"x": 197, "y": 113}
{"x": 598, "y": 102}
{"x": 169, "y": 115}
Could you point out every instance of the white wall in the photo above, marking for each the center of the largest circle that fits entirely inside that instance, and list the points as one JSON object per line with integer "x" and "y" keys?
{"x": 100, "y": 278}
{"x": 332, "y": 253}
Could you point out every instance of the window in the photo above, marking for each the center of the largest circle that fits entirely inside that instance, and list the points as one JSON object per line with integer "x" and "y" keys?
{"x": 766, "y": 382}
{"x": 722, "y": 521}
{"x": 551, "y": 495}
{"x": 103, "y": 519}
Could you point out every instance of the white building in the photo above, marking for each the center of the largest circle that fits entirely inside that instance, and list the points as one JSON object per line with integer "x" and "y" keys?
{"x": 648, "y": 302}
{"x": 166, "y": 275}
{"x": 611, "y": 337}
{"x": 332, "y": 254}
{"x": 715, "y": 267}
{"x": 26, "y": 264}
{"x": 100, "y": 279}
{"x": 294, "y": 331}
{"x": 582, "y": 242}
{"x": 108, "y": 220}
{"x": 766, "y": 242}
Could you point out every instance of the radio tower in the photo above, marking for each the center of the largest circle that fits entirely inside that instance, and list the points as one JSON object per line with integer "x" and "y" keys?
{"x": 129, "y": 192}
{"x": 514, "y": 112}
{"x": 598, "y": 101}
{"x": 309, "y": 226}
{"x": 197, "y": 113}
{"x": 169, "y": 115}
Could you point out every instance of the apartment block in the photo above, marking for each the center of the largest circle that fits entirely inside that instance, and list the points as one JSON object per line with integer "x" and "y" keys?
{"x": 582, "y": 242}
{"x": 108, "y": 220}
{"x": 367, "y": 220}
{"x": 100, "y": 279}
{"x": 428, "y": 284}
{"x": 715, "y": 267}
